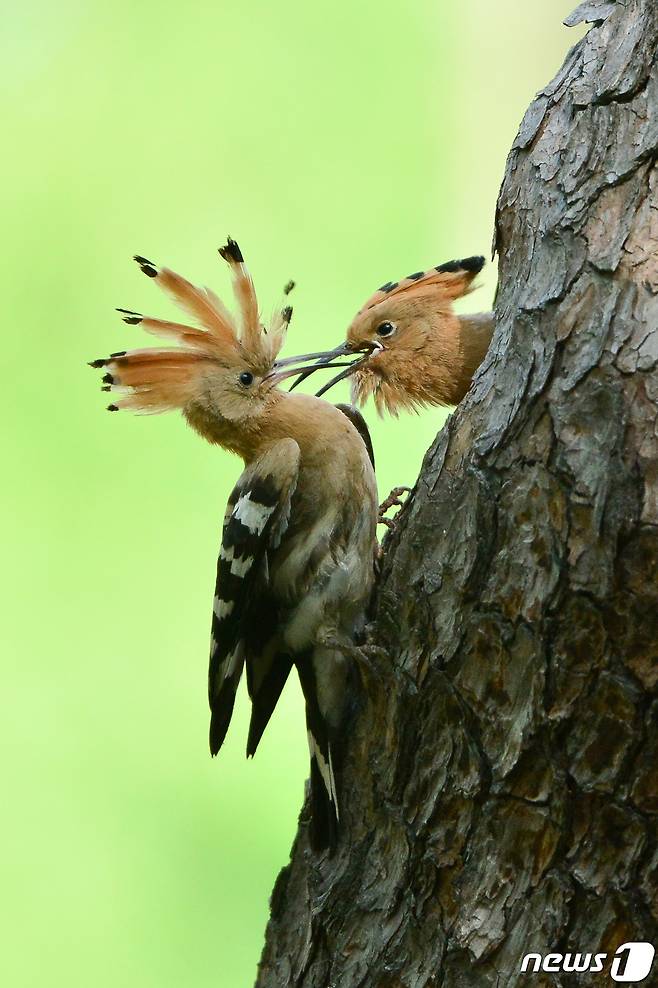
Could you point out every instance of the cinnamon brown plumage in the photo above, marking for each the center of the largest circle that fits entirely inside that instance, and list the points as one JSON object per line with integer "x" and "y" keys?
{"x": 295, "y": 566}
{"x": 419, "y": 351}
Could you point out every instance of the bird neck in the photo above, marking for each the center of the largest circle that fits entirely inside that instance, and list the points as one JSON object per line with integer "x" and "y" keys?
{"x": 322, "y": 432}
{"x": 472, "y": 342}
{"x": 475, "y": 332}
{"x": 307, "y": 420}
{"x": 246, "y": 437}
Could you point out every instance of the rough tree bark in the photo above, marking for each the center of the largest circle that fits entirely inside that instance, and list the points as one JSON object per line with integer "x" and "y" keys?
{"x": 501, "y": 796}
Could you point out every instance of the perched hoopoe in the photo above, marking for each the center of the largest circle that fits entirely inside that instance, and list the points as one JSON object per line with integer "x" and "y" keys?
{"x": 418, "y": 350}
{"x": 295, "y": 568}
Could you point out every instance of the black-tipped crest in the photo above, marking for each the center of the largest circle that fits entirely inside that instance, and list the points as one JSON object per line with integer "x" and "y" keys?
{"x": 469, "y": 266}
{"x": 148, "y": 267}
{"x": 132, "y": 318}
{"x": 231, "y": 252}
{"x": 472, "y": 264}
{"x": 162, "y": 378}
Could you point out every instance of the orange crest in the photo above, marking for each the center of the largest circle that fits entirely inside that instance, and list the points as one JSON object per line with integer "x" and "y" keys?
{"x": 158, "y": 379}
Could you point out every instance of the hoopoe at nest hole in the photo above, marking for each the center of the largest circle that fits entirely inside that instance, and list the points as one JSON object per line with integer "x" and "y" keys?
{"x": 295, "y": 568}
{"x": 417, "y": 350}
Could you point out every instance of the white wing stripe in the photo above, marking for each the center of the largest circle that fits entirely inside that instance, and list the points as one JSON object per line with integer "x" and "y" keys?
{"x": 252, "y": 514}
{"x": 222, "y": 608}
{"x": 240, "y": 567}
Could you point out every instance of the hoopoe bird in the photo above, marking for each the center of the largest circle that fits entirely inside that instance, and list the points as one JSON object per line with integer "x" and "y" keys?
{"x": 417, "y": 349}
{"x": 296, "y": 563}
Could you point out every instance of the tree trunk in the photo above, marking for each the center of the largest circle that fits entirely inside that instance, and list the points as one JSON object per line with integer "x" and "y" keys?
{"x": 500, "y": 796}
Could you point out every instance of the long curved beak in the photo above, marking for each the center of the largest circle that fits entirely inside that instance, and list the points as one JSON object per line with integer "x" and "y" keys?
{"x": 322, "y": 355}
{"x": 295, "y": 366}
{"x": 276, "y": 377}
{"x": 323, "y": 360}
{"x": 354, "y": 365}
{"x": 328, "y": 359}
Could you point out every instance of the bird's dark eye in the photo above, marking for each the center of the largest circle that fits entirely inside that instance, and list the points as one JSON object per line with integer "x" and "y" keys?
{"x": 246, "y": 378}
{"x": 385, "y": 328}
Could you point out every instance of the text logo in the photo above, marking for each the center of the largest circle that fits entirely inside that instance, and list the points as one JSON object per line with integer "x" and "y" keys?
{"x": 631, "y": 963}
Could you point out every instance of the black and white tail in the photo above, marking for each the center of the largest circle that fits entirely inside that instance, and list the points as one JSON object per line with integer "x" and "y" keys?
{"x": 325, "y": 813}
{"x": 324, "y": 777}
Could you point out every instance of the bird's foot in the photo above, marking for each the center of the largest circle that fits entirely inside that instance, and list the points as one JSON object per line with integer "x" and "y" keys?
{"x": 368, "y": 658}
{"x": 393, "y": 500}
{"x": 373, "y": 664}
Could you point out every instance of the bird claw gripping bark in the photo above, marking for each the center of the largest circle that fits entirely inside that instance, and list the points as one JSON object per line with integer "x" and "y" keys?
{"x": 393, "y": 500}
{"x": 368, "y": 658}
{"x": 370, "y": 661}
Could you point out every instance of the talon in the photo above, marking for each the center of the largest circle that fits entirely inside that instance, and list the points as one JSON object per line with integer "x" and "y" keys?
{"x": 393, "y": 500}
{"x": 371, "y": 660}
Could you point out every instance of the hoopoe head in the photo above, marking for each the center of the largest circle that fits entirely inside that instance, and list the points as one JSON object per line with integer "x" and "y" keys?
{"x": 222, "y": 373}
{"x": 411, "y": 340}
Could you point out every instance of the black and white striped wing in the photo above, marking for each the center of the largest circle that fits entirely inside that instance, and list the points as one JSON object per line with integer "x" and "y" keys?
{"x": 256, "y": 518}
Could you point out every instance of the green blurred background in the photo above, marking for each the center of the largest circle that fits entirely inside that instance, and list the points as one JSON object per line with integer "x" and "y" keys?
{"x": 343, "y": 144}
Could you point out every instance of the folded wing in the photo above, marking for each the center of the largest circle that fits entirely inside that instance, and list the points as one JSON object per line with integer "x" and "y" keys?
{"x": 244, "y": 615}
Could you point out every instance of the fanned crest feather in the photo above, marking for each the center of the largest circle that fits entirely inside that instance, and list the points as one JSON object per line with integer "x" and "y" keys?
{"x": 159, "y": 379}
